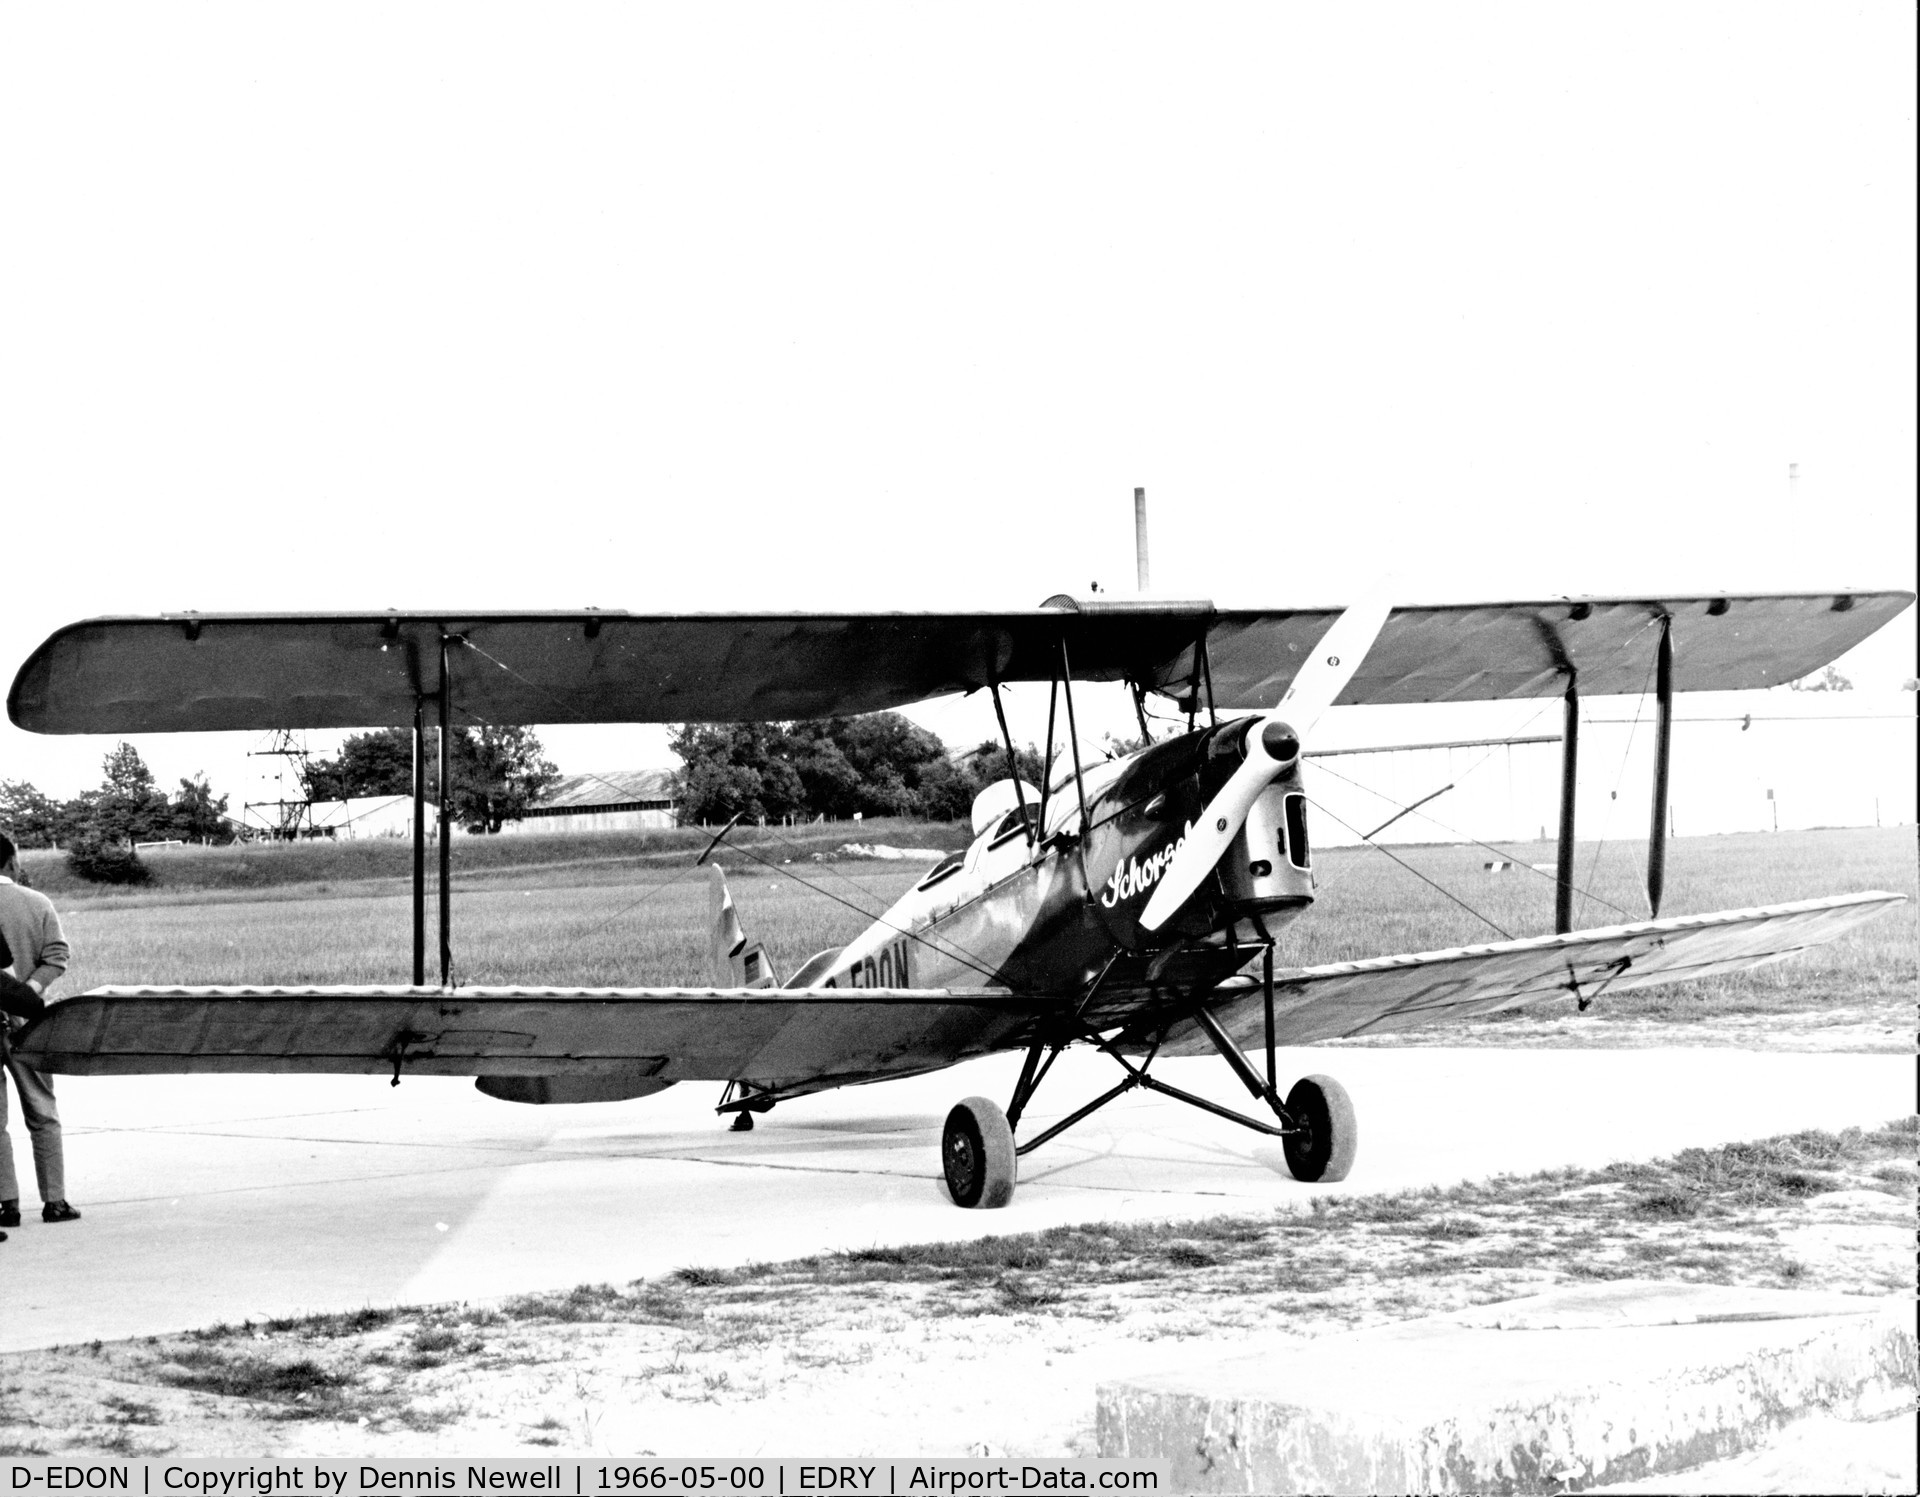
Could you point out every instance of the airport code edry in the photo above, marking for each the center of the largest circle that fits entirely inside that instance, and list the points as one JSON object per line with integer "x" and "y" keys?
{"x": 735, "y": 1478}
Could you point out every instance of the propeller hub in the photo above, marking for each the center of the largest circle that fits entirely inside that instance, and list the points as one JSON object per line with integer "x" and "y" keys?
{"x": 1280, "y": 742}
{"x": 1319, "y": 681}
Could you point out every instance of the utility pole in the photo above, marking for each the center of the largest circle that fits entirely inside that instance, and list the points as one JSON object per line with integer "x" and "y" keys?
{"x": 1140, "y": 535}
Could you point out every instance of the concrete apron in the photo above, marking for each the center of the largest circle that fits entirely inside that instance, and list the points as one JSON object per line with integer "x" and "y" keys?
{"x": 1554, "y": 1393}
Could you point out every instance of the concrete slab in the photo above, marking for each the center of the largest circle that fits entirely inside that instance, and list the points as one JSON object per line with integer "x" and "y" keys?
{"x": 1554, "y": 1393}
{"x": 1816, "y": 1454}
{"x": 227, "y": 1198}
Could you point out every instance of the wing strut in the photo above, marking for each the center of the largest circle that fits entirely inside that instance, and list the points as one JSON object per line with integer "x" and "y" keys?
{"x": 419, "y": 842}
{"x": 1569, "y": 777}
{"x": 1662, "y": 757}
{"x": 1073, "y": 740}
{"x": 446, "y": 841}
{"x": 1013, "y": 766}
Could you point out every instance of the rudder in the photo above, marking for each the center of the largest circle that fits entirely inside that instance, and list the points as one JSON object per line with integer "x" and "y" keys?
{"x": 732, "y": 960}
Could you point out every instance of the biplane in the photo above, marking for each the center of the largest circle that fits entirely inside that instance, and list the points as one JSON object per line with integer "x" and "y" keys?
{"x": 1137, "y": 905}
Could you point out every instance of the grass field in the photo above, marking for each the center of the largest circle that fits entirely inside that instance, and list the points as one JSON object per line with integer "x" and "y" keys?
{"x": 372, "y": 865}
{"x": 611, "y": 912}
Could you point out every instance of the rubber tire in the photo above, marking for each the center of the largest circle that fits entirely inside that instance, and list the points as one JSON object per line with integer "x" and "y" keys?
{"x": 1326, "y": 1153}
{"x": 976, "y": 1154}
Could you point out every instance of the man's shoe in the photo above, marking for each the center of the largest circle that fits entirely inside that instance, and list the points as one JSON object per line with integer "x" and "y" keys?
{"x": 9, "y": 1216}
{"x": 58, "y": 1211}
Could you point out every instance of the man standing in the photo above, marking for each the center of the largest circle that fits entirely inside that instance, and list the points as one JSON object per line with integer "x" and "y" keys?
{"x": 37, "y": 955}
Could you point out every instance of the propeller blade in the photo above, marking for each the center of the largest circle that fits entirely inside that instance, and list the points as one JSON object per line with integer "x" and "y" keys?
{"x": 1333, "y": 663}
{"x": 1273, "y": 743}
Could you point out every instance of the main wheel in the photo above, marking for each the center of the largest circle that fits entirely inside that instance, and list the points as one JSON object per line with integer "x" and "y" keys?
{"x": 1330, "y": 1137}
{"x": 976, "y": 1150}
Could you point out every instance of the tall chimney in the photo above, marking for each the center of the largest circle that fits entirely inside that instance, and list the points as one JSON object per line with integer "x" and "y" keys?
{"x": 1140, "y": 535}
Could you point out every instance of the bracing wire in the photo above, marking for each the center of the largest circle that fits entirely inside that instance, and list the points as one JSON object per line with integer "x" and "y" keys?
{"x": 944, "y": 946}
{"x": 1467, "y": 837}
{"x": 627, "y": 909}
{"x": 948, "y": 950}
{"x": 1441, "y": 888}
{"x": 602, "y": 779}
{"x": 1585, "y": 894}
{"x": 1593, "y": 866}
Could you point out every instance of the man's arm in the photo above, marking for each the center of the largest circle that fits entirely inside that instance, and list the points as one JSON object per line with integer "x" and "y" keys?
{"x": 54, "y": 953}
{"x": 19, "y": 1000}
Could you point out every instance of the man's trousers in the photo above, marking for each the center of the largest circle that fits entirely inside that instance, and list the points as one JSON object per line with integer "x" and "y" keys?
{"x": 43, "y": 1126}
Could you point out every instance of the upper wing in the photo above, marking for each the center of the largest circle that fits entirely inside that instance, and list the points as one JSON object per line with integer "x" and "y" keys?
{"x": 1495, "y": 651}
{"x": 1435, "y": 987}
{"x": 780, "y": 1039}
{"x": 182, "y": 673}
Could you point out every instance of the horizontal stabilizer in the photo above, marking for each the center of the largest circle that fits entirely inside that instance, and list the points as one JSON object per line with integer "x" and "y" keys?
{"x": 1389, "y": 993}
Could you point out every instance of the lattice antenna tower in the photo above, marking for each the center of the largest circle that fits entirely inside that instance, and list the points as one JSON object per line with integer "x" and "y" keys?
{"x": 283, "y": 810}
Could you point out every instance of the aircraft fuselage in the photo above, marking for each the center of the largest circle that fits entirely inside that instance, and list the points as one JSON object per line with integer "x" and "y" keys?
{"x": 1046, "y": 906}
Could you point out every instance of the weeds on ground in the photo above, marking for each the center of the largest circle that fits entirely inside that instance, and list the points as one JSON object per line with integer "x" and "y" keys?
{"x": 129, "y": 1411}
{"x": 1719, "y": 1215}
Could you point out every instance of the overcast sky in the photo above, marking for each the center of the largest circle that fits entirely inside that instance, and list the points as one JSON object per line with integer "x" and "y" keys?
{"x": 700, "y": 307}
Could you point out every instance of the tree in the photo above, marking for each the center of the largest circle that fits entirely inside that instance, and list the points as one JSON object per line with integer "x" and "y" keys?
{"x": 377, "y": 763}
{"x": 830, "y": 786}
{"x": 878, "y": 763}
{"x": 875, "y": 765}
{"x": 890, "y": 755}
{"x": 198, "y": 815}
{"x": 30, "y": 818}
{"x": 74, "y": 818}
{"x": 127, "y": 808}
{"x": 988, "y": 763}
{"x": 497, "y": 771}
{"x": 102, "y": 862}
{"x": 99, "y": 828}
{"x": 946, "y": 791}
{"x": 126, "y": 772}
{"x": 730, "y": 769}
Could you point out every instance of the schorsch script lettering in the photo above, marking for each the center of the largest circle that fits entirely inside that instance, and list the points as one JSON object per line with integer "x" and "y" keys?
{"x": 1136, "y": 877}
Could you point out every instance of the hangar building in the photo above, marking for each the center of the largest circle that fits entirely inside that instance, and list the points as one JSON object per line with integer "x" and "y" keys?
{"x": 615, "y": 800}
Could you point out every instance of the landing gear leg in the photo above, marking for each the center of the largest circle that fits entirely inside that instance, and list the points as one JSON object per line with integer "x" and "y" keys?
{"x": 1326, "y": 1135}
{"x": 976, "y": 1150}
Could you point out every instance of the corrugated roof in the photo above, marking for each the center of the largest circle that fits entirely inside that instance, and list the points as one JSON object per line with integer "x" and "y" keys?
{"x": 613, "y": 787}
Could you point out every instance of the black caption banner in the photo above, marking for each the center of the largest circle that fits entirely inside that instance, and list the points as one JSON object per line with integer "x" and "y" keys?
{"x": 720, "y": 1477}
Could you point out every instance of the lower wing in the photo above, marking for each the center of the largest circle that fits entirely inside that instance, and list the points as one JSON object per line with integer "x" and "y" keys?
{"x": 1436, "y": 987}
{"x": 781, "y": 1040}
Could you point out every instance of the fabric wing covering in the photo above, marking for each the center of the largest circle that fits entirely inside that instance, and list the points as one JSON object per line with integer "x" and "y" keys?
{"x": 192, "y": 673}
{"x": 815, "y": 1038}
{"x": 772, "y": 1036}
{"x": 1377, "y": 996}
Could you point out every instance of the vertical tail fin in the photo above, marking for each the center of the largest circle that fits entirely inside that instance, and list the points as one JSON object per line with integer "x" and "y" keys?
{"x": 732, "y": 960}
